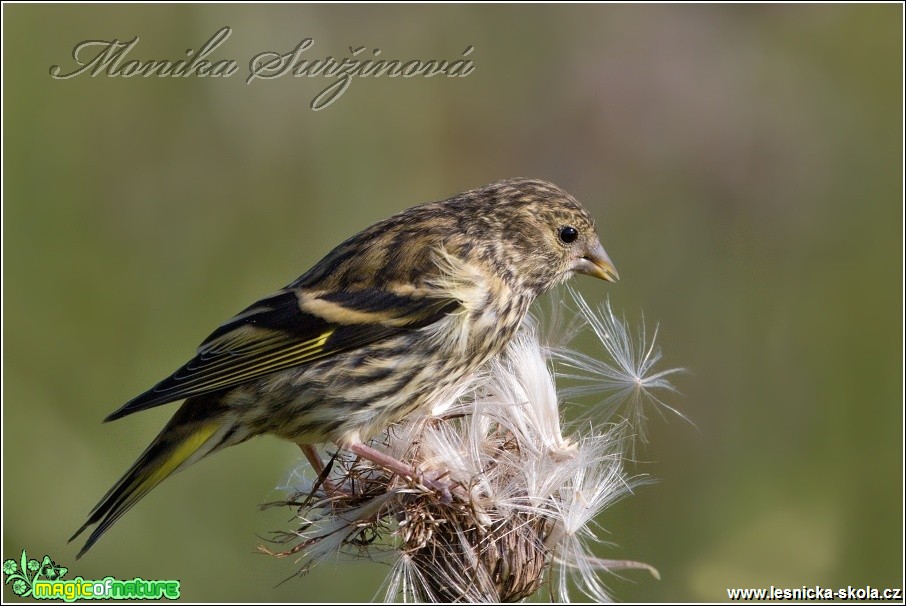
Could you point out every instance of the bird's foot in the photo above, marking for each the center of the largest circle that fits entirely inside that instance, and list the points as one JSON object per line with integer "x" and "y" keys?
{"x": 431, "y": 480}
{"x": 435, "y": 480}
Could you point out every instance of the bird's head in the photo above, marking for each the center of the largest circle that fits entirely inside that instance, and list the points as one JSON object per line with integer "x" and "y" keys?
{"x": 536, "y": 230}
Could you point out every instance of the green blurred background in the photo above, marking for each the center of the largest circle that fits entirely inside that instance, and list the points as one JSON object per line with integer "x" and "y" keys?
{"x": 743, "y": 162}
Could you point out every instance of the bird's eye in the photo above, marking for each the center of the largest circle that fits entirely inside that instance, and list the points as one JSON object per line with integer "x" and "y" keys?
{"x": 568, "y": 234}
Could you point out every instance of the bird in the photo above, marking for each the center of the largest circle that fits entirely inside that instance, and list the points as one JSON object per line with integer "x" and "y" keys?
{"x": 386, "y": 324}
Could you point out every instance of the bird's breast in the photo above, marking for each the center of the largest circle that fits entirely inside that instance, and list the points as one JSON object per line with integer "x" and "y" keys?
{"x": 354, "y": 396}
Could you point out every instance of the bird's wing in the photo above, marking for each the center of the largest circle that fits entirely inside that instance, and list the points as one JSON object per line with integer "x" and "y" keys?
{"x": 288, "y": 329}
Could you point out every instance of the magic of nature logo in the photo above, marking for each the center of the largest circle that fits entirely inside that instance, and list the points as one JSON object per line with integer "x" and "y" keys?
{"x": 43, "y": 580}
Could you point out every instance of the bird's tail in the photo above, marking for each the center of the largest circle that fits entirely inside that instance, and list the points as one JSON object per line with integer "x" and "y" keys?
{"x": 182, "y": 442}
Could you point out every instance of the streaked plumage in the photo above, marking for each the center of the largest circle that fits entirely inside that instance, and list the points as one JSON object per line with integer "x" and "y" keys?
{"x": 385, "y": 324}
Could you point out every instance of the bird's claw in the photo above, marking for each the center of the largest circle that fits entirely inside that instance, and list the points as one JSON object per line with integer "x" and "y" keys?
{"x": 435, "y": 481}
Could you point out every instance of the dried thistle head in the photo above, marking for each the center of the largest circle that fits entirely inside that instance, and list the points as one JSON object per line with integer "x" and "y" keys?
{"x": 526, "y": 495}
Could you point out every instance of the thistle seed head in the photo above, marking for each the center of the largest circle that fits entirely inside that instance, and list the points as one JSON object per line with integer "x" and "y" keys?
{"x": 528, "y": 494}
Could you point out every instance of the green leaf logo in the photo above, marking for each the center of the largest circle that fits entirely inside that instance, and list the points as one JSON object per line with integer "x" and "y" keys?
{"x": 23, "y": 574}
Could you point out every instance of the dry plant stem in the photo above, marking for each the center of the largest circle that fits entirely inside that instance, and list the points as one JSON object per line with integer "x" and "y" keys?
{"x": 397, "y": 467}
{"x": 606, "y": 564}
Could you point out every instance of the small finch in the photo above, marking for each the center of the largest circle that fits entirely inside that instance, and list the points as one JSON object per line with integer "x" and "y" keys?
{"x": 388, "y": 323}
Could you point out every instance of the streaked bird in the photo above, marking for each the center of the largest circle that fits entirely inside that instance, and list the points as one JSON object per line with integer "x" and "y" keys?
{"x": 389, "y": 322}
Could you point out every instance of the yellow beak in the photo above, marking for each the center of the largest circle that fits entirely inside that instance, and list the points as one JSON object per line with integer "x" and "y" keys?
{"x": 597, "y": 264}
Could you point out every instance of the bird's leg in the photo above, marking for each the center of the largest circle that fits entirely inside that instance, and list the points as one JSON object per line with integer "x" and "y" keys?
{"x": 318, "y": 465}
{"x": 445, "y": 489}
{"x": 312, "y": 455}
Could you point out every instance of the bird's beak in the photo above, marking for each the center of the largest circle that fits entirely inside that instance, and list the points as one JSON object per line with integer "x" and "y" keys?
{"x": 597, "y": 264}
